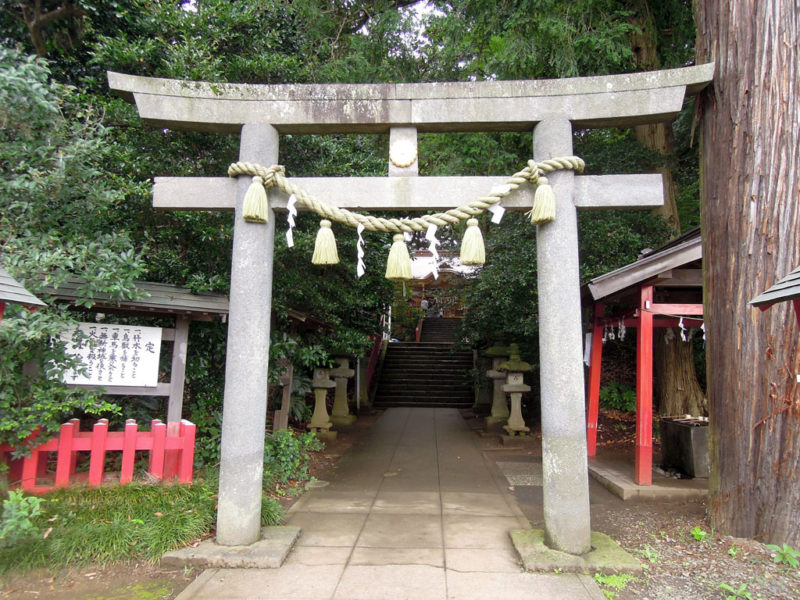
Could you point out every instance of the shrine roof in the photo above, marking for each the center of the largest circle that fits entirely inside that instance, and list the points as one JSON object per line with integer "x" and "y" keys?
{"x": 158, "y": 298}
{"x": 669, "y": 265}
{"x": 787, "y": 288}
{"x": 13, "y": 291}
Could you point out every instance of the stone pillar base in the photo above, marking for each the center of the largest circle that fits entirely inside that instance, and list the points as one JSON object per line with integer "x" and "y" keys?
{"x": 496, "y": 424}
{"x": 343, "y": 420}
{"x": 326, "y": 435}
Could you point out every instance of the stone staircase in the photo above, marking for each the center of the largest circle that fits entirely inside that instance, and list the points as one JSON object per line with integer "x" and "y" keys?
{"x": 427, "y": 373}
{"x": 439, "y": 330}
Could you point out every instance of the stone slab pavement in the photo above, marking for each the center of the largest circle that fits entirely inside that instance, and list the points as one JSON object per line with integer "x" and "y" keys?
{"x": 415, "y": 511}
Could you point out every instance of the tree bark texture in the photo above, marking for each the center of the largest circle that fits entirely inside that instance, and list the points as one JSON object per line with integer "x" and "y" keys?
{"x": 676, "y": 390}
{"x": 750, "y": 156}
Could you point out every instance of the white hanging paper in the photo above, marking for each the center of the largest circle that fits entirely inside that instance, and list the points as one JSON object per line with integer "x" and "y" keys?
{"x": 683, "y": 330}
{"x": 291, "y": 214}
{"x": 360, "y": 268}
{"x": 407, "y": 236}
{"x": 430, "y": 235}
{"x": 497, "y": 213}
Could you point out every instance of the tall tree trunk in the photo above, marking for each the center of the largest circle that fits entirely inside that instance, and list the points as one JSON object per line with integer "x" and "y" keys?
{"x": 676, "y": 389}
{"x": 751, "y": 224}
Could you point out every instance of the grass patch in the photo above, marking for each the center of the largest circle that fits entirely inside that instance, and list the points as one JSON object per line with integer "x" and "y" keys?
{"x": 113, "y": 524}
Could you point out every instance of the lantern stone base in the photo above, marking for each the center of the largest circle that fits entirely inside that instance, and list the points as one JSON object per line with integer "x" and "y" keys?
{"x": 343, "y": 420}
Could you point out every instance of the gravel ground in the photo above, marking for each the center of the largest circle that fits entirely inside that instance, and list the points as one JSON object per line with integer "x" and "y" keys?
{"x": 678, "y": 564}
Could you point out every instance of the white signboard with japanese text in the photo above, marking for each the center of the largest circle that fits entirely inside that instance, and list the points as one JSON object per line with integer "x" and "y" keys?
{"x": 118, "y": 355}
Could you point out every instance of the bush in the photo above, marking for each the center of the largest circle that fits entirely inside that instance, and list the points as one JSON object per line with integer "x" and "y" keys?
{"x": 19, "y": 511}
{"x": 286, "y": 455}
{"x": 618, "y": 396}
{"x": 113, "y": 524}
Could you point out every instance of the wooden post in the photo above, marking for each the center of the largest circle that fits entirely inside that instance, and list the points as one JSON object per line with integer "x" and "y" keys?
{"x": 187, "y": 435}
{"x": 65, "y": 453}
{"x": 595, "y": 369}
{"x": 159, "y": 433}
{"x": 128, "y": 451}
{"x": 178, "y": 371}
{"x": 644, "y": 390}
{"x": 97, "y": 458}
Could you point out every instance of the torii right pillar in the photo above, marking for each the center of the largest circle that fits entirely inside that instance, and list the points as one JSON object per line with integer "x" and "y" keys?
{"x": 564, "y": 462}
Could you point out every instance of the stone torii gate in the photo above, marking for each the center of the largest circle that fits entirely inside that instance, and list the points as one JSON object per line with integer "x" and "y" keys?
{"x": 550, "y": 109}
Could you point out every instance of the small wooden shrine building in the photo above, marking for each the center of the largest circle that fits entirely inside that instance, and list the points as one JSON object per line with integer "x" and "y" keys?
{"x": 663, "y": 288}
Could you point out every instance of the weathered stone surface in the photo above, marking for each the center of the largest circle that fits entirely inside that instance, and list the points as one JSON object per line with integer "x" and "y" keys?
{"x": 614, "y": 100}
{"x": 605, "y": 556}
{"x": 566, "y": 484}
{"x": 409, "y": 193}
{"x": 244, "y": 412}
{"x": 267, "y": 553}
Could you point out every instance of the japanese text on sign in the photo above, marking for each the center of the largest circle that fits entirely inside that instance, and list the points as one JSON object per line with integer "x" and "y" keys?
{"x": 125, "y": 355}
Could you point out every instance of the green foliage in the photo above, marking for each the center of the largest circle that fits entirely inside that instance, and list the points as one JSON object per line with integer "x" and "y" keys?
{"x": 531, "y": 39}
{"x": 271, "y": 511}
{"x": 618, "y": 396}
{"x": 56, "y": 194}
{"x": 286, "y": 455}
{"x": 734, "y": 550}
{"x": 112, "y": 524}
{"x": 736, "y": 593}
{"x": 16, "y": 524}
{"x": 617, "y": 582}
{"x": 650, "y": 554}
{"x": 785, "y": 555}
{"x": 699, "y": 534}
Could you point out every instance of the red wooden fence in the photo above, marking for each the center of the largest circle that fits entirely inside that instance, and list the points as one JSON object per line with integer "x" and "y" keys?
{"x": 30, "y": 473}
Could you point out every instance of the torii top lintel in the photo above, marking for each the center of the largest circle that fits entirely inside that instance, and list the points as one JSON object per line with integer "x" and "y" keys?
{"x": 603, "y": 101}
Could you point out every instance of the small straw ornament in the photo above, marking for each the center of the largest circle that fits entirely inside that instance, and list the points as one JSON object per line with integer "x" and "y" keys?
{"x": 256, "y": 208}
{"x": 472, "y": 250}
{"x": 398, "y": 265}
{"x": 325, "y": 247}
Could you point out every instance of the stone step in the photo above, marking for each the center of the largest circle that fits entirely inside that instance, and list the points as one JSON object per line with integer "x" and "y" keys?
{"x": 431, "y": 384}
{"x": 392, "y": 390}
{"x": 428, "y": 364}
{"x": 413, "y": 403}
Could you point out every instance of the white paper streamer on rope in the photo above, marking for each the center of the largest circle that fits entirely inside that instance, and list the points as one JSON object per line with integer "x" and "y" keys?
{"x": 703, "y": 327}
{"x": 430, "y": 235}
{"x": 496, "y": 209}
{"x": 360, "y": 268}
{"x": 407, "y": 236}
{"x": 683, "y": 330}
{"x": 291, "y": 214}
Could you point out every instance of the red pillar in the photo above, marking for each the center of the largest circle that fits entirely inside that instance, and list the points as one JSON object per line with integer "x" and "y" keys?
{"x": 644, "y": 390}
{"x": 594, "y": 380}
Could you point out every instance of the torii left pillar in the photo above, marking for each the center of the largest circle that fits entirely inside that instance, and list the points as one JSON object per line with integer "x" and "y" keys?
{"x": 245, "y": 409}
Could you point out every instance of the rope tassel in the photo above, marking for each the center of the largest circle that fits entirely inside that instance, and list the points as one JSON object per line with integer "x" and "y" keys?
{"x": 398, "y": 266}
{"x": 544, "y": 203}
{"x": 325, "y": 247}
{"x": 256, "y": 208}
{"x": 472, "y": 250}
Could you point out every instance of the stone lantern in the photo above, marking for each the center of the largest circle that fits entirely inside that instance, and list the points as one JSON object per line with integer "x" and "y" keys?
{"x": 320, "y": 421}
{"x": 340, "y": 415}
{"x": 515, "y": 369}
{"x": 499, "y": 354}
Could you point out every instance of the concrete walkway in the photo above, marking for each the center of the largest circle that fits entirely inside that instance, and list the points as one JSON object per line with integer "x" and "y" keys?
{"x": 415, "y": 512}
